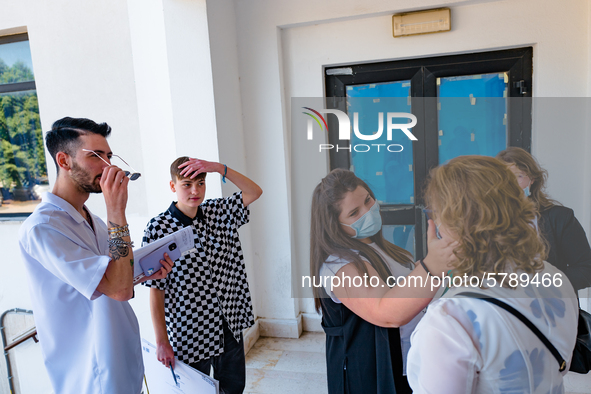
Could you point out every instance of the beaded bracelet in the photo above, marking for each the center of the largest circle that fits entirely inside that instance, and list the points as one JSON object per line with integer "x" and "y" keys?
{"x": 225, "y": 172}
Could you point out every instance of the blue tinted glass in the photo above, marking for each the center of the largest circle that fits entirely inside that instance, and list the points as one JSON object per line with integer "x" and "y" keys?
{"x": 385, "y": 165}
{"x": 472, "y": 115}
{"x": 400, "y": 235}
{"x": 15, "y": 63}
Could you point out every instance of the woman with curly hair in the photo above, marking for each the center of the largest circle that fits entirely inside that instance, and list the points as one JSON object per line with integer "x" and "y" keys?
{"x": 361, "y": 314}
{"x": 467, "y": 345}
{"x": 568, "y": 245}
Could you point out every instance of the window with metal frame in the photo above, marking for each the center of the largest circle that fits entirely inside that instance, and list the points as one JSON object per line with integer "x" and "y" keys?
{"x": 476, "y": 103}
{"x": 23, "y": 168}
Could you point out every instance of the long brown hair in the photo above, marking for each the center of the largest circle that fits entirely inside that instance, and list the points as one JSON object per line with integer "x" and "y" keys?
{"x": 328, "y": 238}
{"x": 530, "y": 167}
{"x": 479, "y": 201}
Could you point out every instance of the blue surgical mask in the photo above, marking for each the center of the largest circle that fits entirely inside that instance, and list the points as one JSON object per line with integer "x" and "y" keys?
{"x": 368, "y": 224}
{"x": 526, "y": 191}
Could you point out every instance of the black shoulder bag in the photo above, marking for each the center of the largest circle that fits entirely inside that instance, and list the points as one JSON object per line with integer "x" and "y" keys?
{"x": 581, "y": 362}
{"x": 581, "y": 358}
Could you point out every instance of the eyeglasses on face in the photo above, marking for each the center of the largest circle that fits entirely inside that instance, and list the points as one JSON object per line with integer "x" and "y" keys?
{"x": 132, "y": 175}
{"x": 428, "y": 212}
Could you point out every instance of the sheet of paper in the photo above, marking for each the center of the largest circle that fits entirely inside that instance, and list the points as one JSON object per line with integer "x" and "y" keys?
{"x": 160, "y": 381}
{"x": 183, "y": 238}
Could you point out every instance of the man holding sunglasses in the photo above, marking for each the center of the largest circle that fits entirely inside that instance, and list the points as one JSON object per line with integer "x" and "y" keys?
{"x": 81, "y": 270}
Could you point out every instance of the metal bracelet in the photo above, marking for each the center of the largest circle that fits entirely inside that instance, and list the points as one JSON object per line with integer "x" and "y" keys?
{"x": 119, "y": 234}
{"x": 119, "y": 241}
{"x": 118, "y": 229}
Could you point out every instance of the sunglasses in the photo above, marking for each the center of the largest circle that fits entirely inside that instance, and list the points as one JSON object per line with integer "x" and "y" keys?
{"x": 132, "y": 175}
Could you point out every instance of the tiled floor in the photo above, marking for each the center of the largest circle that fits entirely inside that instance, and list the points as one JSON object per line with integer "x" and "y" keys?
{"x": 281, "y": 365}
{"x": 294, "y": 366}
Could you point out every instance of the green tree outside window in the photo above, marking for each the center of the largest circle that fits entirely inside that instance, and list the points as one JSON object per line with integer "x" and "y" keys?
{"x": 22, "y": 157}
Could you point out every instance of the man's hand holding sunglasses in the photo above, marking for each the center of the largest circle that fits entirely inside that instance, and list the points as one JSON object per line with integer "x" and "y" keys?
{"x": 114, "y": 187}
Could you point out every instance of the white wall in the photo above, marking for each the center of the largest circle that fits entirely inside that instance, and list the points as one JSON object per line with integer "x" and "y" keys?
{"x": 221, "y": 17}
{"x": 283, "y": 47}
{"x": 141, "y": 66}
{"x": 172, "y": 74}
{"x": 83, "y": 68}
{"x": 146, "y": 67}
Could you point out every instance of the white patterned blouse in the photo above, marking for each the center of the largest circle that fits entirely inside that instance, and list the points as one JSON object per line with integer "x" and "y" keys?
{"x": 466, "y": 345}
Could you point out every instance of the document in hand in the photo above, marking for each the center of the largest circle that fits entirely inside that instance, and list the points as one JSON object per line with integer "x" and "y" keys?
{"x": 182, "y": 238}
{"x": 188, "y": 380}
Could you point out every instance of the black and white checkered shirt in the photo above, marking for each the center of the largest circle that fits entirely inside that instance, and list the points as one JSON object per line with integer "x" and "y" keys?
{"x": 208, "y": 283}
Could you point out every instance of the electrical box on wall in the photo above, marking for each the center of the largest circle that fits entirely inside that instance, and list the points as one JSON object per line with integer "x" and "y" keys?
{"x": 421, "y": 22}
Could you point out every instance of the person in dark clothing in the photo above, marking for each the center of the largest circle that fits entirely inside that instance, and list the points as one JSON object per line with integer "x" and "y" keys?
{"x": 367, "y": 323}
{"x": 568, "y": 247}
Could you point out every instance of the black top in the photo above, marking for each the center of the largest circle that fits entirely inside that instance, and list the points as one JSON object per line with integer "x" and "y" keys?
{"x": 569, "y": 247}
{"x": 361, "y": 357}
{"x": 184, "y": 219}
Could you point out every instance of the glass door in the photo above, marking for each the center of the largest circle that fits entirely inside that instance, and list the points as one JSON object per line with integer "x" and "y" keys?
{"x": 388, "y": 167}
{"x": 471, "y": 115}
{"x": 464, "y": 104}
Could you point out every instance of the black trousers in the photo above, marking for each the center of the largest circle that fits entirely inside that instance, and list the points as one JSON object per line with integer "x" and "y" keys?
{"x": 229, "y": 368}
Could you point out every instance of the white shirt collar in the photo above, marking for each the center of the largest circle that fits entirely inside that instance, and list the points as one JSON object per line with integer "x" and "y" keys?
{"x": 65, "y": 206}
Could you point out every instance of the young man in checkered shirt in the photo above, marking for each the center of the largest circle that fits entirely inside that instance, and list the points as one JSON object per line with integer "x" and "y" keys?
{"x": 200, "y": 309}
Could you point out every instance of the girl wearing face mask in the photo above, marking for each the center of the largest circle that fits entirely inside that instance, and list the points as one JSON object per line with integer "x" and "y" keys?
{"x": 367, "y": 323}
{"x": 568, "y": 245}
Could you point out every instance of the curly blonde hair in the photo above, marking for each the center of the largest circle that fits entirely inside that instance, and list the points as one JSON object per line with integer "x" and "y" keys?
{"x": 478, "y": 200}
